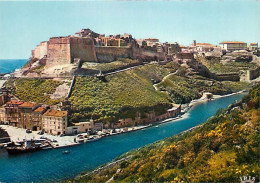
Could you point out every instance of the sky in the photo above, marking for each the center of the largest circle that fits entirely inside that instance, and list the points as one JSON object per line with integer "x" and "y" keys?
{"x": 24, "y": 24}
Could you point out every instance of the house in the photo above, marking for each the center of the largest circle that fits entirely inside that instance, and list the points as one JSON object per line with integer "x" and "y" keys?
{"x": 233, "y": 45}
{"x": 36, "y": 119}
{"x": 98, "y": 126}
{"x": 25, "y": 113}
{"x": 81, "y": 127}
{"x": 124, "y": 123}
{"x": 2, "y": 116}
{"x": 253, "y": 46}
{"x": 55, "y": 122}
{"x": 12, "y": 112}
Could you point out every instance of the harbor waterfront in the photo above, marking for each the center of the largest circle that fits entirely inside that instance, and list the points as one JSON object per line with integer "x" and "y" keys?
{"x": 54, "y": 166}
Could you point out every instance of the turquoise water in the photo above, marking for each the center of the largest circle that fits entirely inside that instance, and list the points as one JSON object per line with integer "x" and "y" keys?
{"x": 9, "y": 65}
{"x": 52, "y": 165}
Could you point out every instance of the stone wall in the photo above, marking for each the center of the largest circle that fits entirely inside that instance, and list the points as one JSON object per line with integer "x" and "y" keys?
{"x": 254, "y": 73}
{"x": 82, "y": 48}
{"x": 41, "y": 50}
{"x": 147, "y": 55}
{"x": 110, "y": 53}
{"x": 228, "y": 77}
{"x": 58, "y": 51}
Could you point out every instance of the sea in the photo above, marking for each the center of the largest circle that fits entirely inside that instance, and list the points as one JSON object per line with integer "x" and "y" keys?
{"x": 9, "y": 65}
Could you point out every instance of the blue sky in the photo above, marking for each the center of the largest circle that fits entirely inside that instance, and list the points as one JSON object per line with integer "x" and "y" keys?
{"x": 23, "y": 25}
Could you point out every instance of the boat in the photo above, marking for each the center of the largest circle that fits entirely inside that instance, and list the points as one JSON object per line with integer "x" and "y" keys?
{"x": 26, "y": 146}
{"x": 92, "y": 138}
{"x": 157, "y": 126}
{"x": 66, "y": 152}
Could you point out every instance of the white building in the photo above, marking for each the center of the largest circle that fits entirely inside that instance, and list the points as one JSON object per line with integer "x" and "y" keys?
{"x": 55, "y": 122}
{"x": 233, "y": 45}
{"x": 81, "y": 127}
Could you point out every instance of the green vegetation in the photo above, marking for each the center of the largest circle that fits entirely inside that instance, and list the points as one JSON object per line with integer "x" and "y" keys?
{"x": 120, "y": 63}
{"x": 215, "y": 66}
{"x": 122, "y": 95}
{"x": 185, "y": 89}
{"x": 33, "y": 89}
{"x": 221, "y": 150}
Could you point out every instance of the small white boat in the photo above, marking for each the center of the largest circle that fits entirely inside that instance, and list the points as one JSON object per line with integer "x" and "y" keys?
{"x": 66, "y": 152}
{"x": 157, "y": 126}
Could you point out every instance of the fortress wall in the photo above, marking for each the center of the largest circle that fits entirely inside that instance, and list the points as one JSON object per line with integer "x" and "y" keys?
{"x": 228, "y": 77}
{"x": 82, "y": 48}
{"x": 58, "y": 51}
{"x": 147, "y": 55}
{"x": 41, "y": 50}
{"x": 109, "y": 53}
{"x": 255, "y": 73}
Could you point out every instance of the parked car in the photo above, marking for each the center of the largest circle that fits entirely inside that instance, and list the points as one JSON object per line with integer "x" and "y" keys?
{"x": 28, "y": 131}
{"x": 54, "y": 140}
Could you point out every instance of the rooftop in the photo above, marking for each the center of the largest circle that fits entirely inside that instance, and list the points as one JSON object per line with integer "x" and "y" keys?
{"x": 55, "y": 113}
{"x": 232, "y": 42}
{"x": 40, "y": 109}
{"x": 204, "y": 44}
{"x": 14, "y": 102}
{"x": 27, "y": 105}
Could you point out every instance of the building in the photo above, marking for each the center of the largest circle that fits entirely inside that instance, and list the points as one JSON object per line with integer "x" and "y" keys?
{"x": 55, "y": 122}
{"x": 81, "y": 127}
{"x": 98, "y": 126}
{"x": 12, "y": 112}
{"x": 233, "y": 45}
{"x": 25, "y": 113}
{"x": 2, "y": 116}
{"x": 36, "y": 119}
{"x": 253, "y": 46}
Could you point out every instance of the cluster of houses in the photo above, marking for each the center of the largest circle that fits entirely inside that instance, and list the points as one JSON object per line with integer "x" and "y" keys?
{"x": 33, "y": 116}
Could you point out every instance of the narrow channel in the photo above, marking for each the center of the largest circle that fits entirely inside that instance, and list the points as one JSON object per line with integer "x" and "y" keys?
{"x": 52, "y": 165}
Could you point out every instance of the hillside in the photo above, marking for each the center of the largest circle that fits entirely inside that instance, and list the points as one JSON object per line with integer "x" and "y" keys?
{"x": 145, "y": 88}
{"x": 216, "y": 66}
{"x": 221, "y": 150}
{"x": 125, "y": 93}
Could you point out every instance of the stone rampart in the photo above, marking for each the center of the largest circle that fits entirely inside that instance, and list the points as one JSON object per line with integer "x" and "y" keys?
{"x": 228, "y": 77}
{"x": 82, "y": 48}
{"x": 254, "y": 73}
{"x": 58, "y": 51}
{"x": 111, "y": 53}
{"x": 147, "y": 55}
{"x": 41, "y": 50}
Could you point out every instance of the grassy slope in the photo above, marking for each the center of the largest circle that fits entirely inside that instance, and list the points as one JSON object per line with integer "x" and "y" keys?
{"x": 33, "y": 89}
{"x": 219, "y": 151}
{"x": 112, "y": 66}
{"x": 184, "y": 89}
{"x": 125, "y": 93}
{"x": 120, "y": 94}
{"x": 216, "y": 66}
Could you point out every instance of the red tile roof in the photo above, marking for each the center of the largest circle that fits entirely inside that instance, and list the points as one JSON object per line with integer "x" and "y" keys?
{"x": 14, "y": 102}
{"x": 28, "y": 105}
{"x": 203, "y": 44}
{"x": 39, "y": 109}
{"x": 232, "y": 42}
{"x": 55, "y": 113}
